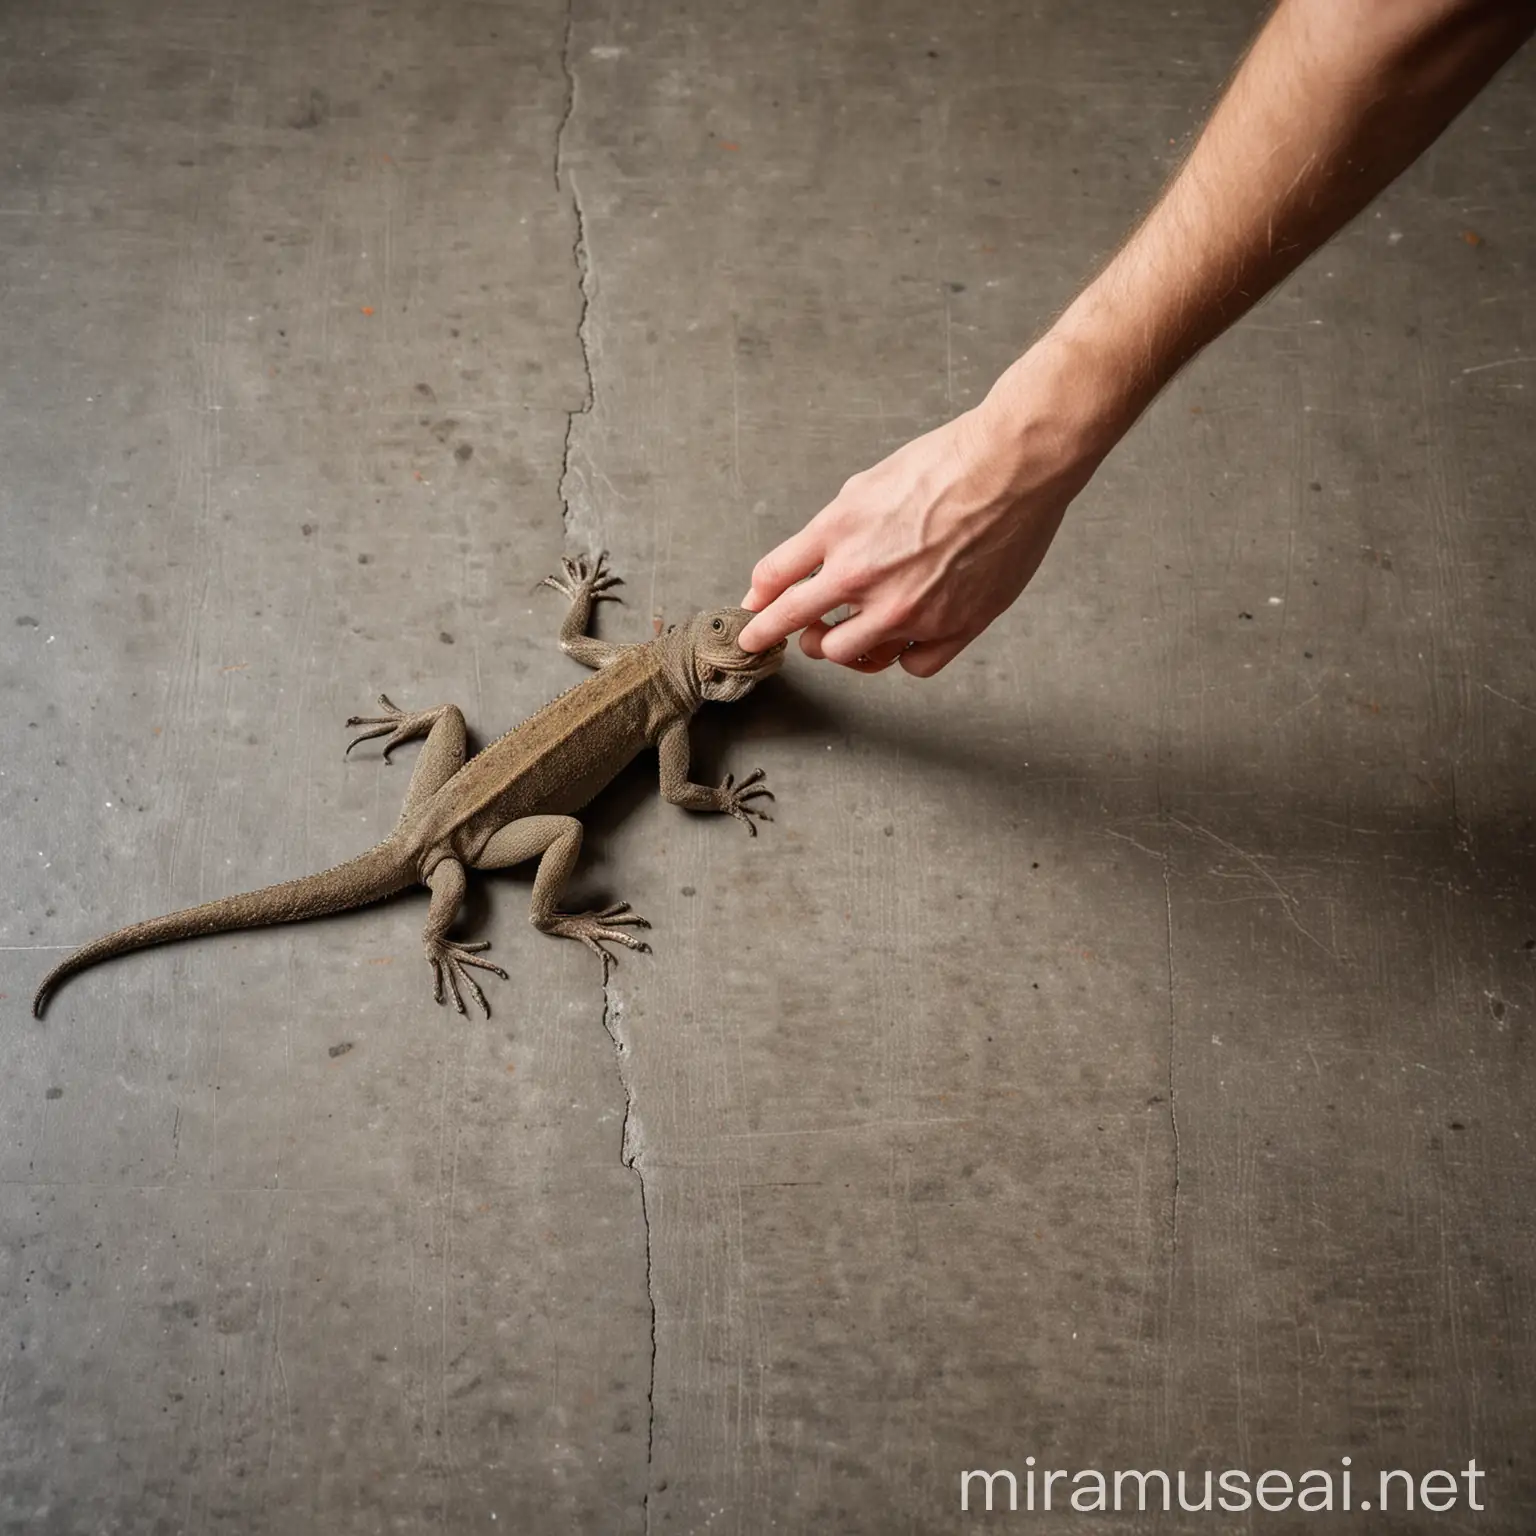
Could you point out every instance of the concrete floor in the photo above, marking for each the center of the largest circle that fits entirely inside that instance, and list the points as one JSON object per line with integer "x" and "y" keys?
{"x": 1117, "y": 1052}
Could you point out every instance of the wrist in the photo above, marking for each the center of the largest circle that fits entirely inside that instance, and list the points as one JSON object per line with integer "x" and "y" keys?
{"x": 1069, "y": 399}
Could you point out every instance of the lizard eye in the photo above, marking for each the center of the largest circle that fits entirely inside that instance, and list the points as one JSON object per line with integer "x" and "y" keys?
{"x": 718, "y": 625}
{"x": 716, "y": 675}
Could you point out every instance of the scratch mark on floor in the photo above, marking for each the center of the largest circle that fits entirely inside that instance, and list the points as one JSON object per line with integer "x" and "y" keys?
{"x": 1287, "y": 901}
{"x": 1125, "y": 837}
{"x": 1489, "y": 688}
{"x": 841, "y": 1130}
{"x": 1503, "y": 362}
{"x": 736, "y": 417}
{"x": 949, "y": 358}
{"x": 1173, "y": 1103}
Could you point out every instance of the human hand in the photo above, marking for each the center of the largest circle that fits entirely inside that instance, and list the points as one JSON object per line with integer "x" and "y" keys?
{"x": 932, "y": 543}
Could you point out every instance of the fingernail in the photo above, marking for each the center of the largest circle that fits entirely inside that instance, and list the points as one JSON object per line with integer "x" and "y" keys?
{"x": 747, "y": 601}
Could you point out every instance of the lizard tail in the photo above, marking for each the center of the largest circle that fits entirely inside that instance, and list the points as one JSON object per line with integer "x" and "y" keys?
{"x": 370, "y": 877}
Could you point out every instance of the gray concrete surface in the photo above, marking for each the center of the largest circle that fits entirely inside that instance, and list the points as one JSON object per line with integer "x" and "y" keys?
{"x": 1117, "y": 1052}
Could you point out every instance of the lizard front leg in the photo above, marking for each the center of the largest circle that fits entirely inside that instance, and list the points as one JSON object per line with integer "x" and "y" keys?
{"x": 587, "y": 584}
{"x": 729, "y": 797}
{"x": 441, "y": 757}
{"x": 450, "y": 961}
{"x": 555, "y": 842}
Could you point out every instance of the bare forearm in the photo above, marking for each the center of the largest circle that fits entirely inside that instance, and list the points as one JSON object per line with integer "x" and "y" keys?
{"x": 1333, "y": 101}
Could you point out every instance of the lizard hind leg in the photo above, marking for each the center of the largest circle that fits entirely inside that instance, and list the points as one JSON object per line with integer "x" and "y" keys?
{"x": 555, "y": 841}
{"x": 450, "y": 961}
{"x": 441, "y": 757}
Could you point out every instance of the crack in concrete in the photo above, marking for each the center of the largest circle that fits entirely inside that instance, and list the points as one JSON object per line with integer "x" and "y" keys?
{"x": 631, "y": 1149}
{"x": 580, "y": 257}
{"x": 631, "y": 1137}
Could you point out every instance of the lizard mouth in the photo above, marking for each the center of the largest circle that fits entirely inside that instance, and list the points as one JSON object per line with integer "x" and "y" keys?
{"x": 755, "y": 661}
{"x": 721, "y": 649}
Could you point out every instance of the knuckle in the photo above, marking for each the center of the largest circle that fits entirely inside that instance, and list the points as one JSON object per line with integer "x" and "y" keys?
{"x": 842, "y": 581}
{"x": 843, "y": 650}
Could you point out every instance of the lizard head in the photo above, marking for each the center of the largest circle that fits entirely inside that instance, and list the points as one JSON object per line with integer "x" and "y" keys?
{"x": 724, "y": 671}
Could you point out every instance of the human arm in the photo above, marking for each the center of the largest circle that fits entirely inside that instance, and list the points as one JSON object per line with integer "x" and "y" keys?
{"x": 1334, "y": 100}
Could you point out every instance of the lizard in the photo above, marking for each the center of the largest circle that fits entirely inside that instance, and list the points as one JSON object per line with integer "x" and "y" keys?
{"x": 517, "y": 798}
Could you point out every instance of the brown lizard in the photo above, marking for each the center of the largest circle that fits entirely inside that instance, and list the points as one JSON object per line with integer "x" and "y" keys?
{"x": 515, "y": 800}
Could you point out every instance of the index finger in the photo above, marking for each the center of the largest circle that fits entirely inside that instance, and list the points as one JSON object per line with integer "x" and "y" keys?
{"x": 793, "y": 560}
{"x": 800, "y": 605}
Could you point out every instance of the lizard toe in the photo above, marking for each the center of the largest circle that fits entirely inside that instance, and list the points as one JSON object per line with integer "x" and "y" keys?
{"x": 594, "y": 929}
{"x": 450, "y": 964}
{"x": 474, "y": 989}
{"x": 380, "y": 728}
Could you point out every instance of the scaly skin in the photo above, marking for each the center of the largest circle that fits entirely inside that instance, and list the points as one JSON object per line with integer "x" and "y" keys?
{"x": 514, "y": 801}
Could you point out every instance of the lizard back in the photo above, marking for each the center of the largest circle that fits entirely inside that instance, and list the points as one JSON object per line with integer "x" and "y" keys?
{"x": 562, "y": 755}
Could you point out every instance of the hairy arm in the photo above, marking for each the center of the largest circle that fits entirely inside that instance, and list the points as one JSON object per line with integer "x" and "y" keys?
{"x": 1334, "y": 99}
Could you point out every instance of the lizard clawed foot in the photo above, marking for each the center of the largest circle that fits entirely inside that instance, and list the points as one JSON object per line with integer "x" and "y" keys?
{"x": 450, "y": 962}
{"x": 734, "y": 798}
{"x": 584, "y": 577}
{"x": 593, "y": 930}
{"x": 396, "y": 724}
